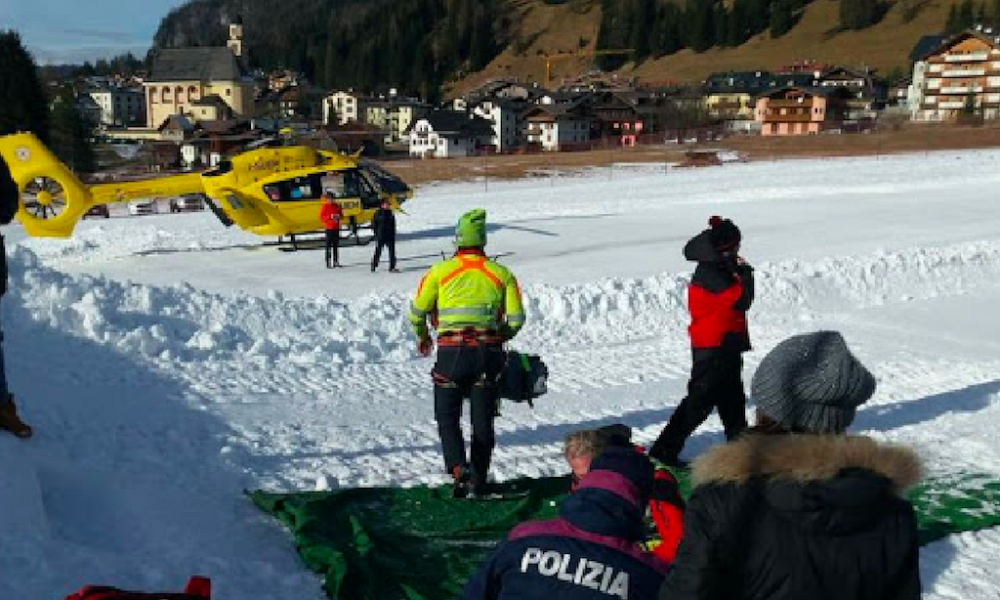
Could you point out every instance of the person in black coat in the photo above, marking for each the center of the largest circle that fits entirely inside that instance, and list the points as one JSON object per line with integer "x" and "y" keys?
{"x": 9, "y": 419}
{"x": 794, "y": 509}
{"x": 384, "y": 225}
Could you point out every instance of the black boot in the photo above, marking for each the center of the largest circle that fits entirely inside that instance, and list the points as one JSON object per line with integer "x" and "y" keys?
{"x": 9, "y": 421}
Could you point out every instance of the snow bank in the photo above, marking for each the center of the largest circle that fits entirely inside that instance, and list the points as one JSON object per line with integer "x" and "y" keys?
{"x": 181, "y": 324}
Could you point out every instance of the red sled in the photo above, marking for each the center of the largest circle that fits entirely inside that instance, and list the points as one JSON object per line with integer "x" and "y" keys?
{"x": 198, "y": 588}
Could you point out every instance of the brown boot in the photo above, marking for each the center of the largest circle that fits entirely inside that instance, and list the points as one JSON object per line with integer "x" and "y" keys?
{"x": 9, "y": 420}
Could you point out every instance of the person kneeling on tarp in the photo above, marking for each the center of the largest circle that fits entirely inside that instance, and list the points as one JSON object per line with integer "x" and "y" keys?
{"x": 666, "y": 507}
{"x": 794, "y": 509}
{"x": 592, "y": 551}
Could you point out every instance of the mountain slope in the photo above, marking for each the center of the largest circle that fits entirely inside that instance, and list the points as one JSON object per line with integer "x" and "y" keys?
{"x": 421, "y": 45}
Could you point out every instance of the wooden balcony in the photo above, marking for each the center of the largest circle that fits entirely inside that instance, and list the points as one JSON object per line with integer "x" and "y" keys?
{"x": 805, "y": 103}
{"x": 776, "y": 118}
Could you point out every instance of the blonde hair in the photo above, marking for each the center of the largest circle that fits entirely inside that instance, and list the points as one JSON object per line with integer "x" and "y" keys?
{"x": 585, "y": 442}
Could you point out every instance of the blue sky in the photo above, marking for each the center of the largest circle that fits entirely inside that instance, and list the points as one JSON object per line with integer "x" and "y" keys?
{"x": 78, "y": 30}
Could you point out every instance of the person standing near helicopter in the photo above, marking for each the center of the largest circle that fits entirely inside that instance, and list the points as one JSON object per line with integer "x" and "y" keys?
{"x": 475, "y": 305}
{"x": 331, "y": 215}
{"x": 384, "y": 225}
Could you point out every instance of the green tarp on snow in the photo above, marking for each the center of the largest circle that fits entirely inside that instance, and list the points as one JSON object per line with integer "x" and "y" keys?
{"x": 420, "y": 544}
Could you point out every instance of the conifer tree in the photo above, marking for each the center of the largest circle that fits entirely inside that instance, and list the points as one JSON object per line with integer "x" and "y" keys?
{"x": 782, "y": 18}
{"x": 952, "y": 25}
{"x": 700, "y": 27}
{"x": 70, "y": 134}
{"x": 966, "y": 15}
{"x": 720, "y": 19}
{"x": 22, "y": 101}
{"x": 858, "y": 14}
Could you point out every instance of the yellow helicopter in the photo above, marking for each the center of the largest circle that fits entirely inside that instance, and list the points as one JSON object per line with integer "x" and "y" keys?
{"x": 267, "y": 191}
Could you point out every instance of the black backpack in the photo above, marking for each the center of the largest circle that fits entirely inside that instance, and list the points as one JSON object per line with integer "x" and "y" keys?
{"x": 524, "y": 377}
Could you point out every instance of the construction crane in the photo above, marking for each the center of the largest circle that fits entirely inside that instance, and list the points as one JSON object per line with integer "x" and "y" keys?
{"x": 550, "y": 58}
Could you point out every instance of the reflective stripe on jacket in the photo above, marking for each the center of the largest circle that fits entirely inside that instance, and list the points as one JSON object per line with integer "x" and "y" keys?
{"x": 468, "y": 291}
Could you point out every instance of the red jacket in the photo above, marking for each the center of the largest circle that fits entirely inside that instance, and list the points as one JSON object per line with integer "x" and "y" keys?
{"x": 719, "y": 296}
{"x": 330, "y": 215}
{"x": 714, "y": 316}
{"x": 666, "y": 507}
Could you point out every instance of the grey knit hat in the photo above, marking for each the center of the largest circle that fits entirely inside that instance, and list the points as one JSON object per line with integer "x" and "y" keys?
{"x": 812, "y": 383}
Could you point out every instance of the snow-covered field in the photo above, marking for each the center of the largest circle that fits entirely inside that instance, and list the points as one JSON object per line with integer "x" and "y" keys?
{"x": 168, "y": 364}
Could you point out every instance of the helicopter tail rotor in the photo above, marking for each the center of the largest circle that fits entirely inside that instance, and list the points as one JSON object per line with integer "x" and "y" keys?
{"x": 52, "y": 199}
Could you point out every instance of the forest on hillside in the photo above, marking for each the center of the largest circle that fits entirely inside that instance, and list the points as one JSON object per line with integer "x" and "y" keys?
{"x": 412, "y": 45}
{"x": 418, "y": 45}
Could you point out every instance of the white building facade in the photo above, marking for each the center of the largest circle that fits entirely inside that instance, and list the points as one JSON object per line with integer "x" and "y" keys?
{"x": 503, "y": 117}
{"x": 120, "y": 107}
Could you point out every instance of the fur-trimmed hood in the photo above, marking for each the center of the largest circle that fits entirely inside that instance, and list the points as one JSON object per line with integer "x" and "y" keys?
{"x": 804, "y": 459}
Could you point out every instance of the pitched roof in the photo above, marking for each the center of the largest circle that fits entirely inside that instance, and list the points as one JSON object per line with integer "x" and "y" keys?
{"x": 180, "y": 122}
{"x": 555, "y": 111}
{"x": 958, "y": 37}
{"x": 452, "y": 123}
{"x": 926, "y": 45}
{"x": 202, "y": 64}
{"x": 737, "y": 82}
{"x": 825, "y": 91}
{"x": 210, "y": 100}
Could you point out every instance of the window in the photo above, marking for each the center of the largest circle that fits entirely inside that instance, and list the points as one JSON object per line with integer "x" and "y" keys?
{"x": 229, "y": 92}
{"x": 165, "y": 95}
{"x": 179, "y": 94}
{"x": 334, "y": 183}
{"x": 295, "y": 189}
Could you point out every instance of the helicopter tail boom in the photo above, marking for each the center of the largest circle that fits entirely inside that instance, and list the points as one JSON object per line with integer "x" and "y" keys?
{"x": 163, "y": 187}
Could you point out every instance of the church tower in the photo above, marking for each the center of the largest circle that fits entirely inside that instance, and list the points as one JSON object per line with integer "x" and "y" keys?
{"x": 236, "y": 43}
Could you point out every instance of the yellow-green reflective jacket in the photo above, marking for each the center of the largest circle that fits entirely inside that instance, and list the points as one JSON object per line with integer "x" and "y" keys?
{"x": 468, "y": 292}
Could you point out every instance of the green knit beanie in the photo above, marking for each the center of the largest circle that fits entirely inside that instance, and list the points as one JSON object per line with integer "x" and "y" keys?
{"x": 471, "y": 229}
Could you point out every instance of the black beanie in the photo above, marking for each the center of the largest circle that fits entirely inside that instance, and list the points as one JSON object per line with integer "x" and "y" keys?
{"x": 724, "y": 234}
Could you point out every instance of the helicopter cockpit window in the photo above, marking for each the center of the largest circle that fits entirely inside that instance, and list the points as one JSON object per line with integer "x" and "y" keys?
{"x": 334, "y": 183}
{"x": 295, "y": 189}
{"x": 370, "y": 197}
{"x": 384, "y": 180}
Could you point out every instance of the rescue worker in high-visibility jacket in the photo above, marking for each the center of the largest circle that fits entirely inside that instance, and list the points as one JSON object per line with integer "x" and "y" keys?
{"x": 475, "y": 306}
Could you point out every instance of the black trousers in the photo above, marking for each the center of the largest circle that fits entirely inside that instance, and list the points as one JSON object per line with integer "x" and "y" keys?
{"x": 716, "y": 382}
{"x": 332, "y": 244}
{"x": 387, "y": 243}
{"x": 467, "y": 372}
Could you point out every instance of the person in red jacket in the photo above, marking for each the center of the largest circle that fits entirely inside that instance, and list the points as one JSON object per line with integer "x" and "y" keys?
{"x": 719, "y": 295}
{"x": 666, "y": 507}
{"x": 330, "y": 215}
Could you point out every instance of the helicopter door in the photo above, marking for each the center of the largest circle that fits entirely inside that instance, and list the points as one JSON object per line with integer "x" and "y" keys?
{"x": 242, "y": 211}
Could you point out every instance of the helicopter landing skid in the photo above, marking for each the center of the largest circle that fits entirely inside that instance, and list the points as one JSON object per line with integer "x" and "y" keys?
{"x": 317, "y": 241}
